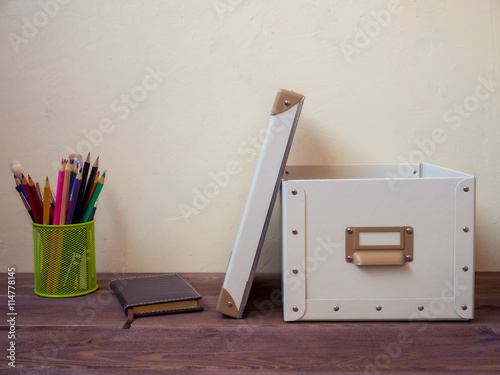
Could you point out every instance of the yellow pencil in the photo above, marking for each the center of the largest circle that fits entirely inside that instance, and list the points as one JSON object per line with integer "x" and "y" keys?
{"x": 46, "y": 202}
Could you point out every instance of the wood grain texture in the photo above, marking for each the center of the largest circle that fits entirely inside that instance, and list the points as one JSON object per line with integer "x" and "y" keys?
{"x": 83, "y": 334}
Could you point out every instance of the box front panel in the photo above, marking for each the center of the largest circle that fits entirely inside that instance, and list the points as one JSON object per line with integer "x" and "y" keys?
{"x": 421, "y": 288}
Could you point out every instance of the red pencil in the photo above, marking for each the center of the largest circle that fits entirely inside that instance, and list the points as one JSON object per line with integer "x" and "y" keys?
{"x": 95, "y": 185}
{"x": 36, "y": 198}
{"x": 26, "y": 205}
{"x": 30, "y": 199}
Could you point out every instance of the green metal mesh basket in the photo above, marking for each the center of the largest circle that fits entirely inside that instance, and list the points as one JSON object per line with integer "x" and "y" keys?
{"x": 64, "y": 259}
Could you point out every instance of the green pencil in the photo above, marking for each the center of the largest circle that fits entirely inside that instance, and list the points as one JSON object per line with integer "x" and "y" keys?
{"x": 94, "y": 197}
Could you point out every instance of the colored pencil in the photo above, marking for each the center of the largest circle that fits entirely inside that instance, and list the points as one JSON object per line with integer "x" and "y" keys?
{"x": 88, "y": 189}
{"x": 65, "y": 191}
{"x": 94, "y": 198}
{"x": 52, "y": 277}
{"x": 94, "y": 186}
{"x": 36, "y": 198}
{"x": 74, "y": 173}
{"x": 46, "y": 202}
{"x": 78, "y": 210}
{"x": 25, "y": 202}
{"x": 92, "y": 214}
{"x": 91, "y": 217}
{"x": 31, "y": 202}
{"x": 77, "y": 158}
{"x": 74, "y": 197}
{"x": 19, "y": 183}
{"x": 60, "y": 181}
{"x": 17, "y": 169}
{"x": 40, "y": 196}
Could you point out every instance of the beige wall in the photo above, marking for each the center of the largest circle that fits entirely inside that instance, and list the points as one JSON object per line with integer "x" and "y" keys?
{"x": 171, "y": 93}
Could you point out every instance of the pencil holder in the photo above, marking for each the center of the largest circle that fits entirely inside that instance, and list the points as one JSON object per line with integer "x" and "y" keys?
{"x": 64, "y": 259}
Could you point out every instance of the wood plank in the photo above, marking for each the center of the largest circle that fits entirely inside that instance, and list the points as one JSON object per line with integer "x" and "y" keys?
{"x": 73, "y": 335}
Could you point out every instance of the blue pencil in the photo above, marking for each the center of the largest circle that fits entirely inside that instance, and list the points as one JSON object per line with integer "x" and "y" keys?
{"x": 74, "y": 197}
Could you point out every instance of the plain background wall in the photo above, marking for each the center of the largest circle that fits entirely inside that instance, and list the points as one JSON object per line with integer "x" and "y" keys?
{"x": 170, "y": 94}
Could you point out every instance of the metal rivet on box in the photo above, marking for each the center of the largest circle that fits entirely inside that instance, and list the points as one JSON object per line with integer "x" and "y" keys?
{"x": 420, "y": 308}
{"x": 294, "y": 192}
{"x": 465, "y": 268}
{"x": 287, "y": 102}
{"x": 466, "y": 229}
{"x": 295, "y": 309}
{"x": 295, "y": 231}
{"x": 336, "y": 308}
{"x": 295, "y": 271}
{"x": 378, "y": 308}
{"x": 349, "y": 258}
{"x": 464, "y": 307}
{"x": 349, "y": 230}
{"x": 408, "y": 258}
{"x": 466, "y": 189}
{"x": 409, "y": 230}
{"x": 230, "y": 304}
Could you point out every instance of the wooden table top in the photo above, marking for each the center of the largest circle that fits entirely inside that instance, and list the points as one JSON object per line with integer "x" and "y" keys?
{"x": 84, "y": 335}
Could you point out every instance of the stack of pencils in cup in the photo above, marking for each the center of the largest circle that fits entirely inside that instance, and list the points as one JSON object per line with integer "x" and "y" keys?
{"x": 75, "y": 201}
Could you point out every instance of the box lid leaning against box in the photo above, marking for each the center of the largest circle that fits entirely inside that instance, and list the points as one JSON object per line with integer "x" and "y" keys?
{"x": 263, "y": 192}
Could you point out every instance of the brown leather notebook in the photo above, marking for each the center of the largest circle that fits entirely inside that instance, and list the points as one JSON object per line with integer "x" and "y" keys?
{"x": 155, "y": 295}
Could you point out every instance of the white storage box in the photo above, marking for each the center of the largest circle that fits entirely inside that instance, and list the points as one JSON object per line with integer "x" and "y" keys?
{"x": 378, "y": 242}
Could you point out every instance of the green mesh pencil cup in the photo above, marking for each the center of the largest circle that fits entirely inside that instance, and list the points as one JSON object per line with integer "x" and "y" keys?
{"x": 64, "y": 259}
